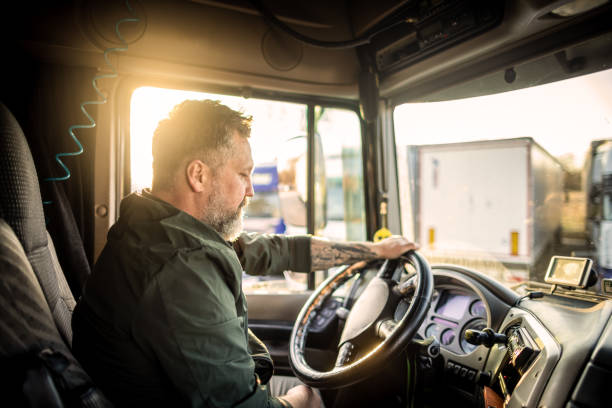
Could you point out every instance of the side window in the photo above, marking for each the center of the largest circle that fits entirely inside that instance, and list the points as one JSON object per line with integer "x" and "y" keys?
{"x": 279, "y": 145}
{"x": 339, "y": 197}
{"x": 340, "y": 135}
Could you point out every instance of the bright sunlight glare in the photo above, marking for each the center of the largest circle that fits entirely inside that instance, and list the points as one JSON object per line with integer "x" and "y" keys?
{"x": 272, "y": 122}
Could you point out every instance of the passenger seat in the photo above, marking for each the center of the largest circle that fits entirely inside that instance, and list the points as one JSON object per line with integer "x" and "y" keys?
{"x": 37, "y": 366}
{"x": 21, "y": 208}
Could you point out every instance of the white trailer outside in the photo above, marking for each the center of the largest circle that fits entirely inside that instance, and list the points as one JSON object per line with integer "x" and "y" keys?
{"x": 598, "y": 196}
{"x": 497, "y": 200}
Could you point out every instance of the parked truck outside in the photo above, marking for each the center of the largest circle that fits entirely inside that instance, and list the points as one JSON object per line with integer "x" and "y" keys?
{"x": 598, "y": 191}
{"x": 511, "y": 215}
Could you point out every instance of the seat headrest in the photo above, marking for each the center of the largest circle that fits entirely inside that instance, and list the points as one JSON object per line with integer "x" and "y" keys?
{"x": 20, "y": 200}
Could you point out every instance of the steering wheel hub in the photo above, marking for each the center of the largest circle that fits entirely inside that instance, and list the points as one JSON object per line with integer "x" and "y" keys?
{"x": 367, "y": 310}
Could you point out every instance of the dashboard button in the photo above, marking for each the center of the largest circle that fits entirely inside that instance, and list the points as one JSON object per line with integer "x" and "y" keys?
{"x": 470, "y": 375}
{"x": 463, "y": 372}
{"x": 450, "y": 365}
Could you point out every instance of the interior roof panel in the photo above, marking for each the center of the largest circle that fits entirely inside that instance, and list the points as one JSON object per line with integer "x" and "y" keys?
{"x": 191, "y": 39}
{"x": 524, "y": 34}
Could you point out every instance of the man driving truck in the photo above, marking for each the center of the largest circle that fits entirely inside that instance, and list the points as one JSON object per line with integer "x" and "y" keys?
{"x": 163, "y": 318}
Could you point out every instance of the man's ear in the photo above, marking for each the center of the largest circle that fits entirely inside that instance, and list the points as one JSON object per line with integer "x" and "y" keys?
{"x": 197, "y": 173}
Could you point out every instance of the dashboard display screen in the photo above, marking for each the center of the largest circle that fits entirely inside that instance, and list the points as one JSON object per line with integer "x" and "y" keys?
{"x": 453, "y": 305}
{"x": 568, "y": 271}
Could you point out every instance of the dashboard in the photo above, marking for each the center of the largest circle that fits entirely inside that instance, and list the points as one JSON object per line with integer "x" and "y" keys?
{"x": 508, "y": 370}
{"x": 558, "y": 346}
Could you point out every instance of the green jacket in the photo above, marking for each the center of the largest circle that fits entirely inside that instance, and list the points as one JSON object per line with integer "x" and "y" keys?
{"x": 163, "y": 319}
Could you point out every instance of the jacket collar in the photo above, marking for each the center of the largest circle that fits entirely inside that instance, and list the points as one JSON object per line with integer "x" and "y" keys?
{"x": 144, "y": 206}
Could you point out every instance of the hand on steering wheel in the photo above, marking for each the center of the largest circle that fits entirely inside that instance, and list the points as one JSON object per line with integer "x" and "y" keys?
{"x": 370, "y": 321}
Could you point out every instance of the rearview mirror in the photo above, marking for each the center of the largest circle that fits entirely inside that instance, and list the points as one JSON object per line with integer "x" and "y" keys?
{"x": 293, "y": 184}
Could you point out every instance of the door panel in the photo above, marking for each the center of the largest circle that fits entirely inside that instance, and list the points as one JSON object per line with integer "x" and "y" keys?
{"x": 271, "y": 318}
{"x": 276, "y": 306}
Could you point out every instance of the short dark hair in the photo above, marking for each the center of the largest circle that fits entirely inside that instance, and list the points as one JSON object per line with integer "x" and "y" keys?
{"x": 194, "y": 130}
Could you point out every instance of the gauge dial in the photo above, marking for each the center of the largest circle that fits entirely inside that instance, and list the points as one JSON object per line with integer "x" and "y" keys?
{"x": 432, "y": 330}
{"x": 447, "y": 337}
{"x": 477, "y": 324}
{"x": 478, "y": 309}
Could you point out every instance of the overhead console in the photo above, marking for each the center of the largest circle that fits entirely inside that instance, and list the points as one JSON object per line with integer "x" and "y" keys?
{"x": 435, "y": 25}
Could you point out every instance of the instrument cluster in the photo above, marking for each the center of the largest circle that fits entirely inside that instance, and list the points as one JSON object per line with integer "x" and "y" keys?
{"x": 452, "y": 312}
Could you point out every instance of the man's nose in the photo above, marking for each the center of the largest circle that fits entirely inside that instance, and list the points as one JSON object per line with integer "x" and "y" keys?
{"x": 249, "y": 190}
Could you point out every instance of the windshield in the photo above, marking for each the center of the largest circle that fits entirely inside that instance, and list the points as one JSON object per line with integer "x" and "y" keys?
{"x": 502, "y": 182}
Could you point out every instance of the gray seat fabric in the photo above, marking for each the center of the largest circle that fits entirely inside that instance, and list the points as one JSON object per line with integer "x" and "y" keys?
{"x": 21, "y": 208}
{"x": 26, "y": 319}
{"x": 28, "y": 327}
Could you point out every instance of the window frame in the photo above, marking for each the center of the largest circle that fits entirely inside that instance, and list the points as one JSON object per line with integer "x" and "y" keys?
{"x": 120, "y": 146}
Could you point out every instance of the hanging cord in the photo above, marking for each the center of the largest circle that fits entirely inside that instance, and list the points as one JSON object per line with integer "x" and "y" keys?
{"x": 92, "y": 122}
{"x": 366, "y": 39}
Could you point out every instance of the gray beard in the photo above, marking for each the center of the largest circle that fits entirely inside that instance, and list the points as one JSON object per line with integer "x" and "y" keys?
{"x": 227, "y": 223}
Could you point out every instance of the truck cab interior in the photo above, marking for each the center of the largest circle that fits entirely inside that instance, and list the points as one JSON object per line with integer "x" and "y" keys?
{"x": 470, "y": 127}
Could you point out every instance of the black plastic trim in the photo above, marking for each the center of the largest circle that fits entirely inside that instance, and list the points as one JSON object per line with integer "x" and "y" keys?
{"x": 503, "y": 293}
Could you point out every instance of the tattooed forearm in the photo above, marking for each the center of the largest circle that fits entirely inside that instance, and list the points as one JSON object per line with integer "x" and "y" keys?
{"x": 328, "y": 254}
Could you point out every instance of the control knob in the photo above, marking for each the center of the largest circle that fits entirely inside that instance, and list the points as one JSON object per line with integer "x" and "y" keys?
{"x": 487, "y": 337}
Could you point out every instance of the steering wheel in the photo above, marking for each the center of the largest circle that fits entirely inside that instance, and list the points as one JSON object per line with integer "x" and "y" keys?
{"x": 371, "y": 334}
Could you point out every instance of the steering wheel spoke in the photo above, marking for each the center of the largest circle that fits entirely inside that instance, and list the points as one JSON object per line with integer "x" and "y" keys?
{"x": 406, "y": 287}
{"x": 345, "y": 354}
{"x": 385, "y": 328}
